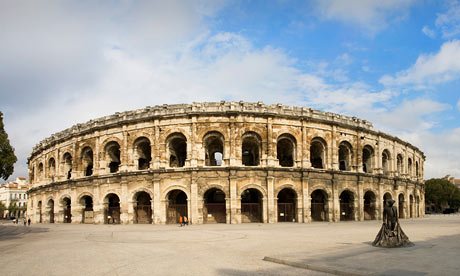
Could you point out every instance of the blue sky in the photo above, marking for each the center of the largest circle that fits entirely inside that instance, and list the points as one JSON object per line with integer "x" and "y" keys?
{"x": 395, "y": 63}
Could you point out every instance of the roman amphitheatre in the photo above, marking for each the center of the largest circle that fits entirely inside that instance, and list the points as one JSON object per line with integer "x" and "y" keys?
{"x": 223, "y": 162}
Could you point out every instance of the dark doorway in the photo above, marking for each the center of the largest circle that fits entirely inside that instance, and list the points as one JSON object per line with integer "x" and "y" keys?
{"x": 88, "y": 214}
{"x": 67, "y": 210}
{"x": 176, "y": 206}
{"x": 40, "y": 217}
{"x": 251, "y": 206}
{"x": 112, "y": 212}
{"x": 143, "y": 208}
{"x": 214, "y": 210}
{"x": 347, "y": 206}
{"x": 287, "y": 199}
{"x": 401, "y": 205}
{"x": 319, "y": 205}
{"x": 369, "y": 206}
{"x": 285, "y": 149}
{"x": 51, "y": 210}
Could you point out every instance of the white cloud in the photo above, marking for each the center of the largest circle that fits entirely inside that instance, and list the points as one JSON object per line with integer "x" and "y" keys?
{"x": 368, "y": 14}
{"x": 458, "y": 105}
{"x": 449, "y": 21}
{"x": 430, "y": 69}
{"x": 428, "y": 32}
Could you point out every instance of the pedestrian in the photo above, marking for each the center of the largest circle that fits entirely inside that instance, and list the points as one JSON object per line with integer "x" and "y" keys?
{"x": 24, "y": 220}
{"x": 180, "y": 220}
{"x": 28, "y": 222}
{"x": 185, "y": 220}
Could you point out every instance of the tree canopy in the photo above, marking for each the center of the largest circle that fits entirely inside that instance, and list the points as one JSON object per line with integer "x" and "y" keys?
{"x": 442, "y": 194}
{"x": 7, "y": 157}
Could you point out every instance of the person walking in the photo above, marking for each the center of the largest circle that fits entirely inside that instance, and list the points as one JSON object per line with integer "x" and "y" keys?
{"x": 185, "y": 220}
{"x": 28, "y": 221}
{"x": 180, "y": 220}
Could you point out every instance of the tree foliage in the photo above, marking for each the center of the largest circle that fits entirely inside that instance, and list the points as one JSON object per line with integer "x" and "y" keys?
{"x": 441, "y": 194}
{"x": 7, "y": 157}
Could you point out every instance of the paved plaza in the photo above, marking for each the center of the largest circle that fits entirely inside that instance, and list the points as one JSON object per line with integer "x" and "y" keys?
{"x": 244, "y": 249}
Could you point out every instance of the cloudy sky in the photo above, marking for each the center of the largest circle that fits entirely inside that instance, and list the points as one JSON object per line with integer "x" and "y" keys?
{"x": 395, "y": 63}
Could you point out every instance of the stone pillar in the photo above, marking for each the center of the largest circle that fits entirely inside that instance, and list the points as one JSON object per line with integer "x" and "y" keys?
{"x": 234, "y": 161}
{"x": 163, "y": 218}
{"x": 228, "y": 213}
{"x": 306, "y": 200}
{"x": 235, "y": 206}
{"x": 305, "y": 148}
{"x": 360, "y": 201}
{"x": 335, "y": 202}
{"x": 271, "y": 145}
{"x": 124, "y": 201}
{"x": 271, "y": 206}
{"x": 131, "y": 212}
{"x": 193, "y": 143}
{"x": 333, "y": 156}
{"x": 194, "y": 216}
{"x": 157, "y": 203}
{"x": 264, "y": 210}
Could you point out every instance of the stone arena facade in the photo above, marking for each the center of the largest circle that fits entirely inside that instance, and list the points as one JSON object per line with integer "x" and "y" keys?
{"x": 224, "y": 162}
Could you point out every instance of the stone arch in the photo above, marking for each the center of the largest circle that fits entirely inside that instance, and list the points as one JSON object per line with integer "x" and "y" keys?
{"x": 370, "y": 205}
{"x": 318, "y": 153}
{"x": 417, "y": 171}
{"x": 213, "y": 142}
{"x": 409, "y": 166}
{"x": 86, "y": 202}
{"x": 112, "y": 155}
{"x": 202, "y": 190}
{"x": 142, "y": 203}
{"x": 67, "y": 164}
{"x": 252, "y": 205}
{"x": 142, "y": 149}
{"x": 112, "y": 208}
{"x": 176, "y": 205}
{"x": 287, "y": 204}
{"x": 289, "y": 186}
{"x": 399, "y": 164}
{"x": 251, "y": 148}
{"x": 214, "y": 206}
{"x": 142, "y": 189}
{"x": 66, "y": 202}
{"x": 176, "y": 148}
{"x": 345, "y": 156}
{"x": 50, "y": 206}
{"x": 261, "y": 189}
{"x": 411, "y": 205}
{"x": 368, "y": 159}
{"x": 183, "y": 188}
{"x": 286, "y": 148}
{"x": 386, "y": 162}
{"x": 51, "y": 168}
{"x": 40, "y": 170}
{"x": 347, "y": 205}
{"x": 87, "y": 160}
{"x": 319, "y": 205}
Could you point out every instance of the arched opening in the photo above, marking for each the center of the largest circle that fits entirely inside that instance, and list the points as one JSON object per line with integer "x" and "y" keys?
{"x": 176, "y": 206}
{"x": 251, "y": 206}
{"x": 40, "y": 214}
{"x": 387, "y": 196}
{"x": 51, "y": 168}
{"x": 368, "y": 157}
{"x": 345, "y": 156}
{"x": 177, "y": 145}
{"x": 214, "y": 210}
{"x": 285, "y": 150}
{"x": 411, "y": 206}
{"x": 51, "y": 210}
{"x": 347, "y": 208}
{"x": 88, "y": 213}
{"x": 399, "y": 164}
{"x": 401, "y": 205}
{"x": 214, "y": 148}
{"x": 319, "y": 207}
{"x": 112, "y": 210}
{"x": 87, "y": 161}
{"x": 67, "y": 204}
{"x": 40, "y": 171}
{"x": 67, "y": 159}
{"x": 417, "y": 173}
{"x": 287, "y": 199}
{"x": 386, "y": 162}
{"x": 112, "y": 152}
{"x": 317, "y": 153}
{"x": 369, "y": 206}
{"x": 143, "y": 153}
{"x": 409, "y": 167}
{"x": 143, "y": 208}
{"x": 250, "y": 149}
{"x": 417, "y": 204}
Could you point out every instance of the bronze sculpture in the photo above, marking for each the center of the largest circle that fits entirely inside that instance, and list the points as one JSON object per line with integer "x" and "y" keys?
{"x": 391, "y": 234}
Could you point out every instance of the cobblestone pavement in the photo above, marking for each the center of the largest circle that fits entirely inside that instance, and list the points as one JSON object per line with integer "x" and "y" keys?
{"x": 288, "y": 248}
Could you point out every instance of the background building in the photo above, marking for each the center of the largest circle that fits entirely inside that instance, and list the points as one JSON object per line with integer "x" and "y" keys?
{"x": 13, "y": 195}
{"x": 228, "y": 162}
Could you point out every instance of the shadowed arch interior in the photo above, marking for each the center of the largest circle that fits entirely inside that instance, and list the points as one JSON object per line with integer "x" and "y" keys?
{"x": 368, "y": 159}
{"x": 317, "y": 153}
{"x": 369, "y": 205}
{"x": 214, "y": 148}
{"x": 112, "y": 209}
{"x": 143, "y": 208}
{"x": 88, "y": 213}
{"x": 177, "y": 146}
{"x": 67, "y": 205}
{"x": 251, "y": 205}
{"x": 143, "y": 153}
{"x": 112, "y": 151}
{"x": 214, "y": 210}
{"x": 287, "y": 205}
{"x": 285, "y": 150}
{"x": 347, "y": 207}
{"x": 176, "y": 206}
{"x": 319, "y": 208}
{"x": 250, "y": 149}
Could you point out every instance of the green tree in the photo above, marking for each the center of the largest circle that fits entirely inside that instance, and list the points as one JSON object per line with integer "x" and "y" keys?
{"x": 442, "y": 194}
{"x": 7, "y": 157}
{"x": 2, "y": 209}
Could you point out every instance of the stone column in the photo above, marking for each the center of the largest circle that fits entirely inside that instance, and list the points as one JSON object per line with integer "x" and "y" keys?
{"x": 131, "y": 218}
{"x": 228, "y": 213}
{"x": 360, "y": 203}
{"x": 157, "y": 210}
{"x": 194, "y": 217}
{"x": 333, "y": 159}
{"x": 305, "y": 147}
{"x": 335, "y": 201}
{"x": 264, "y": 210}
{"x": 272, "y": 215}
{"x": 306, "y": 200}
{"x": 235, "y": 206}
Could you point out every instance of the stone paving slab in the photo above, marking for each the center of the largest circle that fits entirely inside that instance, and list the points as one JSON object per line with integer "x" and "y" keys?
{"x": 316, "y": 248}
